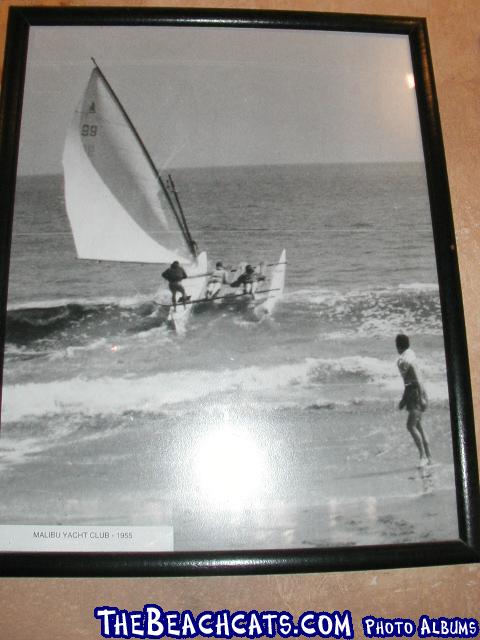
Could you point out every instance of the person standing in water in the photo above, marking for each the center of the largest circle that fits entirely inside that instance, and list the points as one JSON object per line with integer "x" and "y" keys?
{"x": 414, "y": 398}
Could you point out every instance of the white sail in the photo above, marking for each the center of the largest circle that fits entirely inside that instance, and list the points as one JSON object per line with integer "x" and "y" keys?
{"x": 116, "y": 203}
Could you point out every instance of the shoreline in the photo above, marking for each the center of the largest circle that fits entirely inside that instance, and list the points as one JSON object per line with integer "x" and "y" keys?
{"x": 325, "y": 478}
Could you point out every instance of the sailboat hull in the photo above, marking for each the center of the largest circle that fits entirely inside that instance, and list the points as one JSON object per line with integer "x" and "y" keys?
{"x": 276, "y": 286}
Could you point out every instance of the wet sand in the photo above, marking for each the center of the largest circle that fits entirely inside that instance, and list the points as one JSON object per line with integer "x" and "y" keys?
{"x": 330, "y": 477}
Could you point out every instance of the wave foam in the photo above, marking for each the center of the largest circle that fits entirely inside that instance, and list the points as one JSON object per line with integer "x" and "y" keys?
{"x": 154, "y": 393}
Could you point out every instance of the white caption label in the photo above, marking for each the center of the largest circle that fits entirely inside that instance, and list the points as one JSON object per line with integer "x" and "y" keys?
{"x": 91, "y": 538}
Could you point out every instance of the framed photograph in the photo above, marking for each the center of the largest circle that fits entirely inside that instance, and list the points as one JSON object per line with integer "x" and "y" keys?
{"x": 231, "y": 319}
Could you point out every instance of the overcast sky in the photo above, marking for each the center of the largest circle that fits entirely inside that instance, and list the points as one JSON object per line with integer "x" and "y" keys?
{"x": 214, "y": 96}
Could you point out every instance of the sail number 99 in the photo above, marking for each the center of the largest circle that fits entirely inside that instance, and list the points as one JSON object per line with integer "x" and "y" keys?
{"x": 89, "y": 130}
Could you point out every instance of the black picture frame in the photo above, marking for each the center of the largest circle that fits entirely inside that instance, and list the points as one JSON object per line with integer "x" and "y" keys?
{"x": 346, "y": 558}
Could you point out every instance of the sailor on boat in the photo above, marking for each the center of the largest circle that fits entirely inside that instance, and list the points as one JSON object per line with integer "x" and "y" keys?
{"x": 248, "y": 279}
{"x": 174, "y": 276}
{"x": 218, "y": 277}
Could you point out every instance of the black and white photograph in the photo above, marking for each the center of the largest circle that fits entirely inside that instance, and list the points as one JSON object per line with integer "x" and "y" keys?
{"x": 223, "y": 318}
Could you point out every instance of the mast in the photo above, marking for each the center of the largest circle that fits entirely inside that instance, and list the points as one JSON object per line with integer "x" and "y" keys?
{"x": 180, "y": 210}
{"x": 182, "y": 223}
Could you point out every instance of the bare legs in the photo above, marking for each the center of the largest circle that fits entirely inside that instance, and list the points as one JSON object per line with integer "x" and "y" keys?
{"x": 177, "y": 288}
{"x": 414, "y": 426}
{"x": 250, "y": 288}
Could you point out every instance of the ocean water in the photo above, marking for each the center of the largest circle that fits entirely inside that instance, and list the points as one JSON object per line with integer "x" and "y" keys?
{"x": 109, "y": 416}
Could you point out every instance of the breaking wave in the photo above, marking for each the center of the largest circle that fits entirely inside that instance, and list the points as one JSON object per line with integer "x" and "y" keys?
{"x": 159, "y": 391}
{"x": 413, "y": 308}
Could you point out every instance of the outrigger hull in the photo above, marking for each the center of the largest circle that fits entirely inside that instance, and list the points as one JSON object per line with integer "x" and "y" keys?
{"x": 276, "y": 287}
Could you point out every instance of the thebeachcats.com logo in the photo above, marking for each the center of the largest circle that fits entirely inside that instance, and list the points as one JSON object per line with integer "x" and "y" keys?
{"x": 154, "y": 622}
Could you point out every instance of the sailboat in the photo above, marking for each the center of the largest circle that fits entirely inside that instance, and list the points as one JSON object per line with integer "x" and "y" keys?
{"x": 119, "y": 206}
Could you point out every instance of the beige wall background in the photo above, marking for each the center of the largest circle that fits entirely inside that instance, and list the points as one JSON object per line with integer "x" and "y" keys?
{"x": 59, "y": 609}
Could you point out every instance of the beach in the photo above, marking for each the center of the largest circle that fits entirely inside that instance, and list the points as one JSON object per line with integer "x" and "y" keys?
{"x": 324, "y": 478}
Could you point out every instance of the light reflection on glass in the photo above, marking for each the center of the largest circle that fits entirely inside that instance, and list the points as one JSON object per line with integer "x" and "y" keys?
{"x": 229, "y": 466}
{"x": 410, "y": 80}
